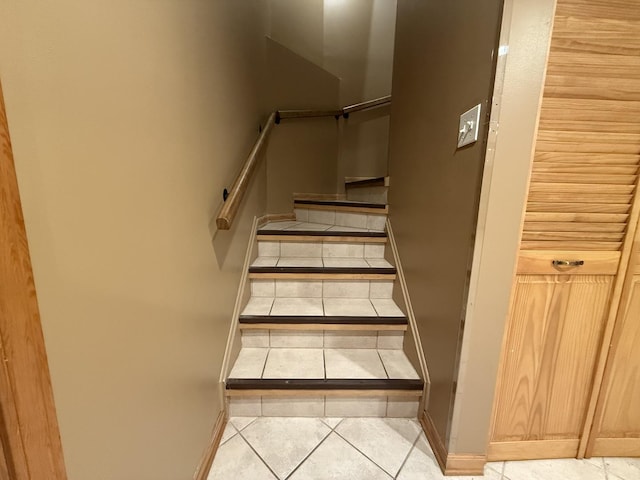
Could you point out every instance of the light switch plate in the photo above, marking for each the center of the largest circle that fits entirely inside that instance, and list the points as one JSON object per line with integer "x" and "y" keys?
{"x": 469, "y": 126}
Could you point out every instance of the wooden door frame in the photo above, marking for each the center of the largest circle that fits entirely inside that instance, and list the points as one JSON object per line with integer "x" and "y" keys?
{"x": 29, "y": 432}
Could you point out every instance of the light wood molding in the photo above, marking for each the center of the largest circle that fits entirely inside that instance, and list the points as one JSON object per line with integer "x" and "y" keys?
{"x": 540, "y": 262}
{"x": 241, "y": 183}
{"x": 616, "y": 447}
{"x": 31, "y": 439}
{"x": 319, "y": 238}
{"x": 321, "y": 393}
{"x": 532, "y": 450}
{"x": 276, "y": 217}
{"x": 451, "y": 464}
{"x": 320, "y": 326}
{"x": 202, "y": 472}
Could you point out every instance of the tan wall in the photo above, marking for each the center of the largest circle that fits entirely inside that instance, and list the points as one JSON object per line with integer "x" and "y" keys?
{"x": 442, "y": 67}
{"x": 526, "y": 32}
{"x": 127, "y": 119}
{"x": 353, "y": 41}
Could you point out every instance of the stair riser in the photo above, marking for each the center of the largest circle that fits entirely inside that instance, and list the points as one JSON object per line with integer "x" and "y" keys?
{"x": 368, "y": 194}
{"x": 322, "y": 288}
{"x": 328, "y": 216}
{"x": 323, "y": 406}
{"x": 391, "y": 340}
{"x": 284, "y": 249}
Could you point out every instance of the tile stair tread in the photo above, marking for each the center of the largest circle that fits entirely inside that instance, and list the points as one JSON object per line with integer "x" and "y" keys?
{"x": 371, "y": 308}
{"x": 319, "y": 230}
{"x": 322, "y": 367}
{"x": 322, "y": 262}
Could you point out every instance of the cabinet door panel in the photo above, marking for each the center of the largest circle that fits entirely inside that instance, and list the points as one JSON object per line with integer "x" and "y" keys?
{"x": 618, "y": 432}
{"x": 555, "y": 329}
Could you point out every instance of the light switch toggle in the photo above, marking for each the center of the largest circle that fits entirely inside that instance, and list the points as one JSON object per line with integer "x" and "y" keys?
{"x": 469, "y": 126}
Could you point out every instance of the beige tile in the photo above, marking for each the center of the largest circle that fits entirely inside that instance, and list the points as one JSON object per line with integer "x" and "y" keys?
{"x": 279, "y": 225}
{"x": 235, "y": 459}
{"x": 301, "y": 249}
{"x": 386, "y": 307}
{"x": 376, "y": 222}
{"x": 300, "y": 262}
{"x": 255, "y": 338}
{"x": 241, "y": 422}
{"x": 386, "y": 441}
{"x": 343, "y": 250}
{"x": 283, "y": 443}
{"x": 245, "y": 407}
{"x": 292, "y": 407}
{"x": 263, "y": 288}
{"x": 348, "y": 307}
{"x": 229, "y": 432}
{"x": 249, "y": 363}
{"x": 401, "y": 407}
{"x": 356, "y": 407}
{"x": 332, "y": 422}
{"x": 310, "y": 226}
{"x": 624, "y": 468}
{"x": 302, "y": 214}
{"x": 397, "y": 364}
{"x": 373, "y": 250}
{"x": 350, "y": 219}
{"x": 353, "y": 363}
{"x": 345, "y": 288}
{"x": 378, "y": 263}
{"x": 560, "y": 469}
{"x": 350, "y": 339}
{"x": 327, "y": 217}
{"x": 294, "y": 363}
{"x": 393, "y": 340}
{"x": 297, "y": 306}
{"x": 296, "y": 339}
{"x": 258, "y": 306}
{"x": 299, "y": 288}
{"x": 380, "y": 289}
{"x": 342, "y": 228}
{"x": 265, "y": 262}
{"x": 268, "y": 249}
{"x": 337, "y": 262}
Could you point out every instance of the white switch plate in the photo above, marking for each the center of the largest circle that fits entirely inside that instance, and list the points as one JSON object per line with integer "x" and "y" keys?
{"x": 469, "y": 126}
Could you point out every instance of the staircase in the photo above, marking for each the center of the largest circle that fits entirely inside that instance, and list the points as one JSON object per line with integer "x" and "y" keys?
{"x": 322, "y": 334}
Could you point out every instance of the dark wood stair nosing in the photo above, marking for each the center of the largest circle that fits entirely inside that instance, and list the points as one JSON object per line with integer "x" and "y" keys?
{"x": 367, "y": 182}
{"x": 326, "y": 270}
{"x": 341, "y": 203}
{"x": 323, "y": 384}
{"x": 321, "y": 320}
{"x": 321, "y": 233}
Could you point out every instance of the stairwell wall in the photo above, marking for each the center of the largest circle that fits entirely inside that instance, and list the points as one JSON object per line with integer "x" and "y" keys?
{"x": 128, "y": 118}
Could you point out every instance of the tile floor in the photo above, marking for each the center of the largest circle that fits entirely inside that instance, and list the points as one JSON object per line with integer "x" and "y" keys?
{"x": 269, "y": 448}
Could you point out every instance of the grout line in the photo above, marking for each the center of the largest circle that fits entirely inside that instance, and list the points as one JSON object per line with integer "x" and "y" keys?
{"x": 383, "y": 365}
{"x": 258, "y": 455}
{"x": 362, "y": 453}
{"x": 324, "y": 363}
{"x": 415, "y": 442}
{"x": 311, "y": 452}
{"x": 604, "y": 467}
{"x": 266, "y": 359}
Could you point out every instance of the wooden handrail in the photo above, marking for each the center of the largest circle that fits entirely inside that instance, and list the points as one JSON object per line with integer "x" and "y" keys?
{"x": 344, "y": 112}
{"x": 239, "y": 187}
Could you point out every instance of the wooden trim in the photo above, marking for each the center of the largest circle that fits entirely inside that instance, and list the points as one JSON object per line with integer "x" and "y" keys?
{"x": 319, "y": 196}
{"x": 451, "y": 464}
{"x": 323, "y": 276}
{"x": 276, "y": 217}
{"x": 323, "y": 326}
{"x": 30, "y": 436}
{"x": 308, "y": 203}
{"x": 241, "y": 183}
{"x": 202, "y": 472}
{"x": 532, "y": 450}
{"x": 616, "y": 447}
{"x": 327, "y": 384}
{"x": 324, "y": 270}
{"x": 356, "y": 107}
{"x": 343, "y": 208}
{"x": 324, "y": 393}
{"x": 535, "y": 262}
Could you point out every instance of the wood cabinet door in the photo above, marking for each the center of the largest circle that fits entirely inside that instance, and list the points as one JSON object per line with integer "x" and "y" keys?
{"x": 551, "y": 347}
{"x": 616, "y": 429}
